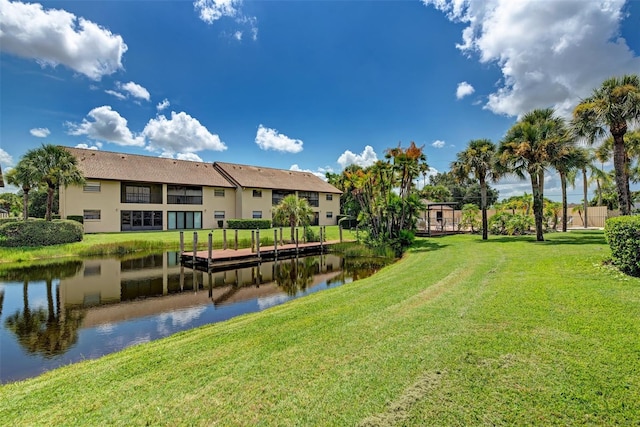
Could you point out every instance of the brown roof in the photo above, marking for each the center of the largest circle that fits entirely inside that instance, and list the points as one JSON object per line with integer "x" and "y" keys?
{"x": 260, "y": 177}
{"x": 96, "y": 164}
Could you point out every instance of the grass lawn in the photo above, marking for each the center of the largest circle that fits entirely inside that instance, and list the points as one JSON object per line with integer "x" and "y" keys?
{"x": 118, "y": 243}
{"x": 459, "y": 332}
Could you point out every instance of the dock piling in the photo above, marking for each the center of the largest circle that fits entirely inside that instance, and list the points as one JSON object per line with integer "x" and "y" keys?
{"x": 210, "y": 251}
{"x": 296, "y": 241}
{"x": 253, "y": 241}
{"x": 195, "y": 247}
{"x": 224, "y": 238}
{"x": 258, "y": 243}
{"x": 181, "y": 242}
{"x": 236, "y": 247}
{"x": 340, "y": 231}
{"x": 275, "y": 242}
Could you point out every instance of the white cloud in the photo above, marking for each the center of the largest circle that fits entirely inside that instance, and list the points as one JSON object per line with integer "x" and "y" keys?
{"x": 551, "y": 53}
{"x": 319, "y": 173}
{"x": 464, "y": 89}
{"x": 40, "y": 132}
{"x": 116, "y": 94}
{"x": 135, "y": 90}
{"x": 5, "y": 158}
{"x": 192, "y": 157}
{"x": 270, "y": 139}
{"x": 180, "y": 134}
{"x": 163, "y": 104}
{"x": 438, "y": 144}
{"x": 364, "y": 159}
{"x": 55, "y": 36}
{"x": 212, "y": 10}
{"x": 107, "y": 125}
{"x": 93, "y": 146}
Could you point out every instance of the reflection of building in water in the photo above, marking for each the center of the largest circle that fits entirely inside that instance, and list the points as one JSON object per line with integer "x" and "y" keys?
{"x": 114, "y": 290}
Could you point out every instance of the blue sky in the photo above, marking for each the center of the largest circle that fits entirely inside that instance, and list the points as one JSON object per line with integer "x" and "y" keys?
{"x": 307, "y": 85}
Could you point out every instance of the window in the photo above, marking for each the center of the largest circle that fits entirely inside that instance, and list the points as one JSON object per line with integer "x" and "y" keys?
{"x": 218, "y": 214}
{"x": 311, "y": 196}
{"x": 218, "y": 192}
{"x": 91, "y": 187}
{"x": 256, "y": 214}
{"x": 329, "y": 214}
{"x": 140, "y": 220}
{"x": 141, "y": 193}
{"x": 184, "y": 195}
{"x": 257, "y": 193}
{"x": 329, "y": 197}
{"x": 278, "y": 195}
{"x": 91, "y": 214}
{"x": 184, "y": 220}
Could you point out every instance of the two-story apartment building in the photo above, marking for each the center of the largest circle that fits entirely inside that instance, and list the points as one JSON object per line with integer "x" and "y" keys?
{"x": 126, "y": 192}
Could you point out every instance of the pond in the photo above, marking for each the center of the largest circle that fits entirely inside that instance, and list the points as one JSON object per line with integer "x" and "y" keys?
{"x": 56, "y": 315}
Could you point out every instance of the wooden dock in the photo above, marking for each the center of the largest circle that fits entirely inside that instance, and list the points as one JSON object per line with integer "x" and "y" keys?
{"x": 224, "y": 259}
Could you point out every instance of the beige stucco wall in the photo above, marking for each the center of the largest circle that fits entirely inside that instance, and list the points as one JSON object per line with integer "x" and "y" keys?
{"x": 236, "y": 203}
{"x": 74, "y": 200}
{"x": 250, "y": 203}
{"x": 325, "y": 206}
{"x": 212, "y": 203}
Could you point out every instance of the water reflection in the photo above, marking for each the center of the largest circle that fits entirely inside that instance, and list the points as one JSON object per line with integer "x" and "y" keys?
{"x": 56, "y": 315}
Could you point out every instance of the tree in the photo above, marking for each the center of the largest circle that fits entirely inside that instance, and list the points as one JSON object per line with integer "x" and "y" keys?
{"x": 11, "y": 202}
{"x": 528, "y": 148}
{"x": 477, "y": 162}
{"x": 569, "y": 158}
{"x": 614, "y": 106}
{"x": 56, "y": 167}
{"x": 25, "y": 176}
{"x": 293, "y": 211}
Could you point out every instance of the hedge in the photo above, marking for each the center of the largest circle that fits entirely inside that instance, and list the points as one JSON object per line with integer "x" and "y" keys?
{"x": 248, "y": 224}
{"x": 623, "y": 235}
{"x": 38, "y": 232}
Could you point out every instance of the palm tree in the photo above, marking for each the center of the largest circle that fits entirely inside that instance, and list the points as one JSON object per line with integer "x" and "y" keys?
{"x": 478, "y": 161}
{"x": 614, "y": 106}
{"x": 293, "y": 211}
{"x": 56, "y": 167}
{"x": 24, "y": 175}
{"x": 569, "y": 158}
{"x": 528, "y": 148}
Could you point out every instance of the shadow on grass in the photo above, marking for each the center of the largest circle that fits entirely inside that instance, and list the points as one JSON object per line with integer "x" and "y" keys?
{"x": 570, "y": 238}
{"x": 426, "y": 245}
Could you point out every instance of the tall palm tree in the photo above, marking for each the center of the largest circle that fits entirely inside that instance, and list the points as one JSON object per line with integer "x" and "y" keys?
{"x": 57, "y": 167}
{"x": 568, "y": 159}
{"x": 25, "y": 176}
{"x": 614, "y": 106}
{"x": 477, "y": 162}
{"x": 293, "y": 211}
{"x": 528, "y": 148}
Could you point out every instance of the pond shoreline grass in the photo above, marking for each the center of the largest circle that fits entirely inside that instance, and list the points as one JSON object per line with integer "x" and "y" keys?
{"x": 459, "y": 332}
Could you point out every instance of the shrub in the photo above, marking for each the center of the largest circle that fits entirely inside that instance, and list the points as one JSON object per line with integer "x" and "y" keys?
{"x": 623, "y": 235}
{"x": 510, "y": 224}
{"x": 310, "y": 236}
{"x": 40, "y": 233}
{"x": 7, "y": 220}
{"x": 78, "y": 218}
{"x": 248, "y": 224}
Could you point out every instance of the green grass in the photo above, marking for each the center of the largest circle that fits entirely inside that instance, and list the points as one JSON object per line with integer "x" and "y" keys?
{"x": 119, "y": 243}
{"x": 459, "y": 332}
